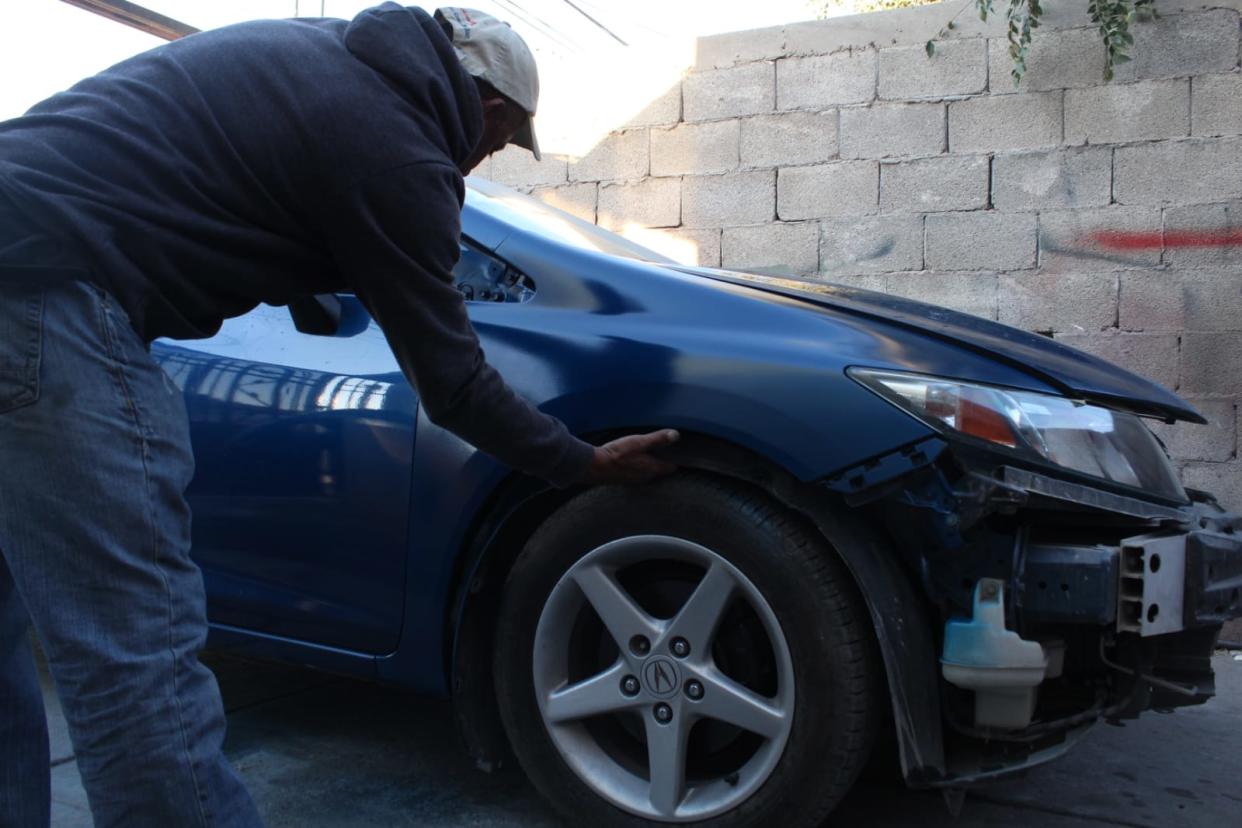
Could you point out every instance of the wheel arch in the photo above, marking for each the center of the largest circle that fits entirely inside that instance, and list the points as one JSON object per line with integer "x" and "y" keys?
{"x": 901, "y": 621}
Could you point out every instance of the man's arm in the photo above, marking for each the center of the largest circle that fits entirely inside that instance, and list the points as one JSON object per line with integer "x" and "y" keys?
{"x": 396, "y": 235}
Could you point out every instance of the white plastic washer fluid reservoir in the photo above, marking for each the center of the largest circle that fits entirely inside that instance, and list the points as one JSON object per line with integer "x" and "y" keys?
{"x": 1001, "y": 668}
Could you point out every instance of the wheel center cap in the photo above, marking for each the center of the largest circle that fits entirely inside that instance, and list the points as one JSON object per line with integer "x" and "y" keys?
{"x": 660, "y": 677}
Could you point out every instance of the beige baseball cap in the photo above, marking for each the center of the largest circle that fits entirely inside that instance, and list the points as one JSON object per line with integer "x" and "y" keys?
{"x": 489, "y": 49}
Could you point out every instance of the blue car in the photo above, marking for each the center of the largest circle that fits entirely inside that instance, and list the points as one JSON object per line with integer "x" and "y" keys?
{"x": 891, "y": 523}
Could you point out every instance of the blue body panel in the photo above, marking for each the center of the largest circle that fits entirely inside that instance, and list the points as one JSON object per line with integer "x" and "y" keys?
{"x": 302, "y": 488}
{"x": 329, "y": 514}
{"x": 1070, "y": 371}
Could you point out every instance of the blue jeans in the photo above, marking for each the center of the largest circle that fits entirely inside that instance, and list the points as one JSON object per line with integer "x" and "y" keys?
{"x": 94, "y": 553}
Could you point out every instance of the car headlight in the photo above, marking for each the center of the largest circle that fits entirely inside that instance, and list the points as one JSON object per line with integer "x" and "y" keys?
{"x": 1087, "y": 439}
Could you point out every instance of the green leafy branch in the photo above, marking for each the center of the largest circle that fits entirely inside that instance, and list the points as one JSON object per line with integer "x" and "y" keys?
{"x": 1111, "y": 17}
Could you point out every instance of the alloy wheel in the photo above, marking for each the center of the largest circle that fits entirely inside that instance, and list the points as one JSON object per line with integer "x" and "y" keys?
{"x": 663, "y": 678}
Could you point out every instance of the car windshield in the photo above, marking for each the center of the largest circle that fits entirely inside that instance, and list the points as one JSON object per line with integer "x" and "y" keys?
{"x": 526, "y": 213}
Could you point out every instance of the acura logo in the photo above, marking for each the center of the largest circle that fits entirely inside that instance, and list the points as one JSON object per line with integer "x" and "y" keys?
{"x": 660, "y": 676}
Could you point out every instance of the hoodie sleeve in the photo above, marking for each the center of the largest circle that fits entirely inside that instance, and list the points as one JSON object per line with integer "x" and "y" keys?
{"x": 396, "y": 238}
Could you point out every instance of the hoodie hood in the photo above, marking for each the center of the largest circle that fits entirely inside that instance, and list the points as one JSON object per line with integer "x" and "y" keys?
{"x": 412, "y": 52}
{"x": 1075, "y": 373}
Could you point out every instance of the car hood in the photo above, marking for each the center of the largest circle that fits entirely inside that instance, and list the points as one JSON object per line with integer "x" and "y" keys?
{"x": 1075, "y": 373}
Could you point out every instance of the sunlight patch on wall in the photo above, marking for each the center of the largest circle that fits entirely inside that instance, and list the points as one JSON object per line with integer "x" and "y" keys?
{"x": 664, "y": 242}
{"x": 584, "y": 97}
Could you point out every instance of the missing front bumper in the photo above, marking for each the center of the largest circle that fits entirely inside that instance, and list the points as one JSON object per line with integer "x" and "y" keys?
{"x": 1152, "y": 584}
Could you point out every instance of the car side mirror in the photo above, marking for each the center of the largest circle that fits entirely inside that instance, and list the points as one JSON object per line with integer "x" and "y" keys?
{"x": 319, "y": 315}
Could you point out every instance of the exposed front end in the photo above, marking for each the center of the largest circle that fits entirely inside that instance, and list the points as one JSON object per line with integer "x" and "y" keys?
{"x": 1074, "y": 580}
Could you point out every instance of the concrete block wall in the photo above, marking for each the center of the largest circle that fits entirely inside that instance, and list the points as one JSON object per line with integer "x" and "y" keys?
{"x": 1105, "y": 215}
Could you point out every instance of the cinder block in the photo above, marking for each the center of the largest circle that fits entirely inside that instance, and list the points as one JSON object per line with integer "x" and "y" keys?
{"x": 1117, "y": 113}
{"x": 665, "y": 110}
{"x": 1005, "y": 122}
{"x": 1212, "y": 362}
{"x": 728, "y": 93}
{"x": 1223, "y": 480}
{"x": 927, "y": 185}
{"x": 786, "y": 248}
{"x": 653, "y": 202}
{"x": 980, "y": 240}
{"x": 1183, "y": 44}
{"x": 789, "y": 138}
{"x": 719, "y": 51}
{"x": 1153, "y": 356}
{"x": 692, "y": 246}
{"x": 1216, "y": 441}
{"x": 1059, "y": 302}
{"x": 1108, "y": 238}
{"x": 876, "y": 244}
{"x": 1193, "y": 171}
{"x": 826, "y": 80}
{"x": 484, "y": 169}
{"x": 516, "y": 167}
{"x": 1066, "y": 14}
{"x": 1152, "y": 300}
{"x": 959, "y": 67}
{"x": 883, "y": 130}
{"x": 873, "y": 282}
{"x": 706, "y": 243}
{"x": 1203, "y": 235}
{"x": 575, "y": 199}
{"x": 735, "y": 198}
{"x": 1216, "y": 104}
{"x": 844, "y": 188}
{"x": 1214, "y": 300}
{"x": 1056, "y": 60}
{"x": 695, "y": 149}
{"x": 973, "y": 293}
{"x": 896, "y": 27}
{"x": 619, "y": 156}
{"x": 1060, "y": 178}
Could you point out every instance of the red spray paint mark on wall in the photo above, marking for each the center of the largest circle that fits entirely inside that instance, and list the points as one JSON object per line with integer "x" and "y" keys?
{"x": 1118, "y": 240}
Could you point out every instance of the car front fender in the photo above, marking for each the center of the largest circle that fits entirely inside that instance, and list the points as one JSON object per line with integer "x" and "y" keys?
{"x": 903, "y": 626}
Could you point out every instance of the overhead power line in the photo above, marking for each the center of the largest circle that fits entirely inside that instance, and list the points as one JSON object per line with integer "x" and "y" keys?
{"x": 580, "y": 11}
{"x": 537, "y": 24}
{"x": 532, "y": 17}
{"x": 634, "y": 21}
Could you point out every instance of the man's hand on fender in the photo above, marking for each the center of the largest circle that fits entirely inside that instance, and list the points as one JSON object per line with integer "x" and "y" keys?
{"x": 629, "y": 459}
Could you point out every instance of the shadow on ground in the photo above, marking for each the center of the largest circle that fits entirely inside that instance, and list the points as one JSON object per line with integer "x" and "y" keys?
{"x": 317, "y": 750}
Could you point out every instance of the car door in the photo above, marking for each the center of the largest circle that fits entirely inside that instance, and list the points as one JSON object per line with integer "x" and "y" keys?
{"x": 303, "y": 444}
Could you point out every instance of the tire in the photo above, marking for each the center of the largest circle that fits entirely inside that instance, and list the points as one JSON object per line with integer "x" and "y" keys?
{"x": 580, "y": 709}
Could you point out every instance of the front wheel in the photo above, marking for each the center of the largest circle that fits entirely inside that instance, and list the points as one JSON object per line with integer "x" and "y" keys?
{"x": 685, "y": 651}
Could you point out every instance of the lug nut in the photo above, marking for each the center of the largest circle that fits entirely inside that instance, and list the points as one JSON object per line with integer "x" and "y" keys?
{"x": 663, "y": 713}
{"x": 630, "y": 686}
{"x": 680, "y": 647}
{"x": 694, "y": 690}
{"x": 640, "y": 645}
